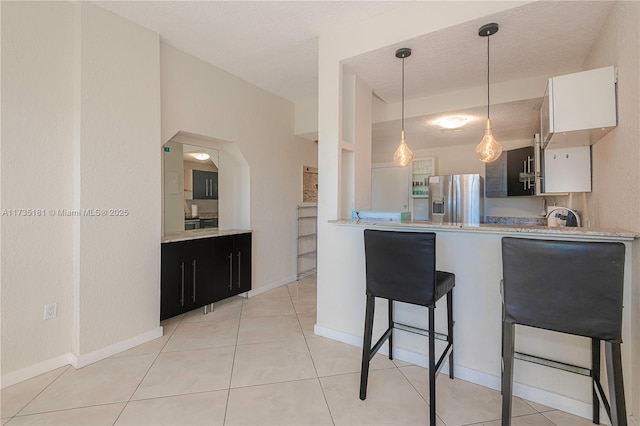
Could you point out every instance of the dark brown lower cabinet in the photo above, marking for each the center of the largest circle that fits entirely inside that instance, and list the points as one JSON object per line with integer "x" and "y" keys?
{"x": 198, "y": 272}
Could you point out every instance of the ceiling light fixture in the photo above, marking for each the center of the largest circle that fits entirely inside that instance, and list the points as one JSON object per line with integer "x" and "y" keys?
{"x": 403, "y": 154}
{"x": 453, "y": 122}
{"x": 488, "y": 149}
{"x": 200, "y": 156}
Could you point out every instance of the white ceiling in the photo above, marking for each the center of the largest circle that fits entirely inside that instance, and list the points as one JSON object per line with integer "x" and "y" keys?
{"x": 273, "y": 44}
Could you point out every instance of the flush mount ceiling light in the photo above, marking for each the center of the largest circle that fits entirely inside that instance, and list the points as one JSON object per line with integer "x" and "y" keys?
{"x": 488, "y": 149}
{"x": 403, "y": 154}
{"x": 200, "y": 156}
{"x": 453, "y": 122}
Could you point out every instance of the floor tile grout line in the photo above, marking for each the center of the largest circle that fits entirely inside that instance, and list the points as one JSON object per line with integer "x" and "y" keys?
{"x": 233, "y": 363}
{"x": 17, "y": 414}
{"x": 149, "y": 369}
{"x": 87, "y": 406}
{"x": 420, "y": 393}
{"x": 313, "y": 362}
{"x": 69, "y": 409}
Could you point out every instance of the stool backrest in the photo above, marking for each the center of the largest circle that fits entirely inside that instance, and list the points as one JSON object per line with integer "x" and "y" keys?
{"x": 572, "y": 287}
{"x": 401, "y": 265}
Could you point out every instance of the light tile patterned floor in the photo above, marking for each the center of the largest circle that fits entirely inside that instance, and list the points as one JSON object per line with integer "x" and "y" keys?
{"x": 254, "y": 362}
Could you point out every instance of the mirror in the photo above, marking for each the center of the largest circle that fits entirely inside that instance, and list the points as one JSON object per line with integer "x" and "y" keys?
{"x": 190, "y": 187}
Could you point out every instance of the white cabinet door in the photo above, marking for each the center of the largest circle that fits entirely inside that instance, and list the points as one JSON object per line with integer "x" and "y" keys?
{"x": 389, "y": 185}
{"x": 567, "y": 169}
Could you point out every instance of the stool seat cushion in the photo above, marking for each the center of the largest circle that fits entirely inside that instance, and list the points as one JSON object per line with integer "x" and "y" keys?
{"x": 445, "y": 281}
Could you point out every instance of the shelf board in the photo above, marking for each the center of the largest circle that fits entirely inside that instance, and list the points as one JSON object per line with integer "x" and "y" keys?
{"x": 418, "y": 196}
{"x": 307, "y": 235}
{"x": 307, "y": 253}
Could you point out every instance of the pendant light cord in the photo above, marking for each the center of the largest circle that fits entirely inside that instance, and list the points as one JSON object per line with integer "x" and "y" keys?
{"x": 488, "y": 103}
{"x": 403, "y": 93}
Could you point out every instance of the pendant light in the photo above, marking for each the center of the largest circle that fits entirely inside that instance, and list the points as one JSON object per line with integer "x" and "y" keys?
{"x": 488, "y": 149}
{"x": 403, "y": 154}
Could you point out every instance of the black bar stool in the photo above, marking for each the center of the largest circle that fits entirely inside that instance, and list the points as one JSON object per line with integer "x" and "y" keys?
{"x": 401, "y": 266}
{"x": 571, "y": 287}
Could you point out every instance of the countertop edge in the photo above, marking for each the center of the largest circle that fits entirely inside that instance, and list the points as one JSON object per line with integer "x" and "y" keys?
{"x": 608, "y": 234}
{"x": 197, "y": 234}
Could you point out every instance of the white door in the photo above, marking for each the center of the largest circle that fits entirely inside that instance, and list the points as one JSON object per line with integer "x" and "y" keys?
{"x": 389, "y": 187}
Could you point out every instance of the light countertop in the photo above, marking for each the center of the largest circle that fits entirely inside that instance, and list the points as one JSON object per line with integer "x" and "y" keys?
{"x": 555, "y": 232}
{"x": 195, "y": 234}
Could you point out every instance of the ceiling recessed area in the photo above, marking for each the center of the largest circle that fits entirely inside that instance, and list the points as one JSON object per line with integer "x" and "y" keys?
{"x": 539, "y": 39}
{"x": 511, "y": 121}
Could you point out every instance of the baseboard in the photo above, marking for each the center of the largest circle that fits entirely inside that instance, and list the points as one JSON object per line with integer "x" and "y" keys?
{"x": 541, "y": 396}
{"x": 80, "y": 361}
{"x": 75, "y": 360}
{"x": 270, "y": 286}
{"x": 34, "y": 370}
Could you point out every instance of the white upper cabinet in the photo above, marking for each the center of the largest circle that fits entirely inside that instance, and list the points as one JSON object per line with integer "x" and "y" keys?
{"x": 578, "y": 109}
{"x": 567, "y": 170}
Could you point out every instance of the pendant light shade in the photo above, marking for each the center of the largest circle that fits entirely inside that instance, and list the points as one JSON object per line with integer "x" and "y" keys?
{"x": 488, "y": 149}
{"x": 403, "y": 155}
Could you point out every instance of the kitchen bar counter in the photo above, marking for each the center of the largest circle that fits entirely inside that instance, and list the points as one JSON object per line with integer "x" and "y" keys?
{"x": 195, "y": 234}
{"x": 555, "y": 232}
{"x": 473, "y": 254}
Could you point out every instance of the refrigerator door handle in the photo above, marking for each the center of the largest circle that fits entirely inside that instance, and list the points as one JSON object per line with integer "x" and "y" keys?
{"x": 454, "y": 201}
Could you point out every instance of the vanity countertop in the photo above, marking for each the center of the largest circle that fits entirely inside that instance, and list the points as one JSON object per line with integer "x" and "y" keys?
{"x": 195, "y": 234}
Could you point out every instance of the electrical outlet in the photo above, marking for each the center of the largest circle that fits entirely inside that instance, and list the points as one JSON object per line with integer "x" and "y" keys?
{"x": 50, "y": 310}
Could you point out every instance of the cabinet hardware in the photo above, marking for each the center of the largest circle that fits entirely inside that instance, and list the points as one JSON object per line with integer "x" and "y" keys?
{"x": 230, "y": 271}
{"x": 182, "y": 282}
{"x": 194, "y": 281}
{"x": 239, "y": 268}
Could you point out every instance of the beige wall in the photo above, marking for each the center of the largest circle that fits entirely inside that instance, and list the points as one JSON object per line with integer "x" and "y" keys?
{"x": 615, "y": 200}
{"x": 204, "y": 100}
{"x": 80, "y": 108}
{"x": 37, "y": 172}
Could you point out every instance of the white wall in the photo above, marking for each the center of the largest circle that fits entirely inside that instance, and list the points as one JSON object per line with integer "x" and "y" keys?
{"x": 201, "y": 99}
{"x": 81, "y": 107}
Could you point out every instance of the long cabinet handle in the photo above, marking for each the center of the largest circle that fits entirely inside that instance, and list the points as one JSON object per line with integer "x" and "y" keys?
{"x": 194, "y": 281}
{"x": 239, "y": 268}
{"x": 182, "y": 291}
{"x": 230, "y": 271}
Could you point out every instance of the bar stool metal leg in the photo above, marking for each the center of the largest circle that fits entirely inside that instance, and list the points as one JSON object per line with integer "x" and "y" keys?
{"x": 507, "y": 371}
{"x": 391, "y": 327}
{"x": 616, "y": 385}
{"x": 432, "y": 367}
{"x": 366, "y": 346}
{"x": 595, "y": 378}
{"x": 450, "y": 330}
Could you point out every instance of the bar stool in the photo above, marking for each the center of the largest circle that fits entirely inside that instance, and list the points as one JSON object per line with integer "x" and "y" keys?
{"x": 401, "y": 266}
{"x": 571, "y": 287}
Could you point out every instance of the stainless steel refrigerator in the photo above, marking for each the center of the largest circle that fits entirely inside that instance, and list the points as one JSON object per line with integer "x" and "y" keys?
{"x": 456, "y": 199}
